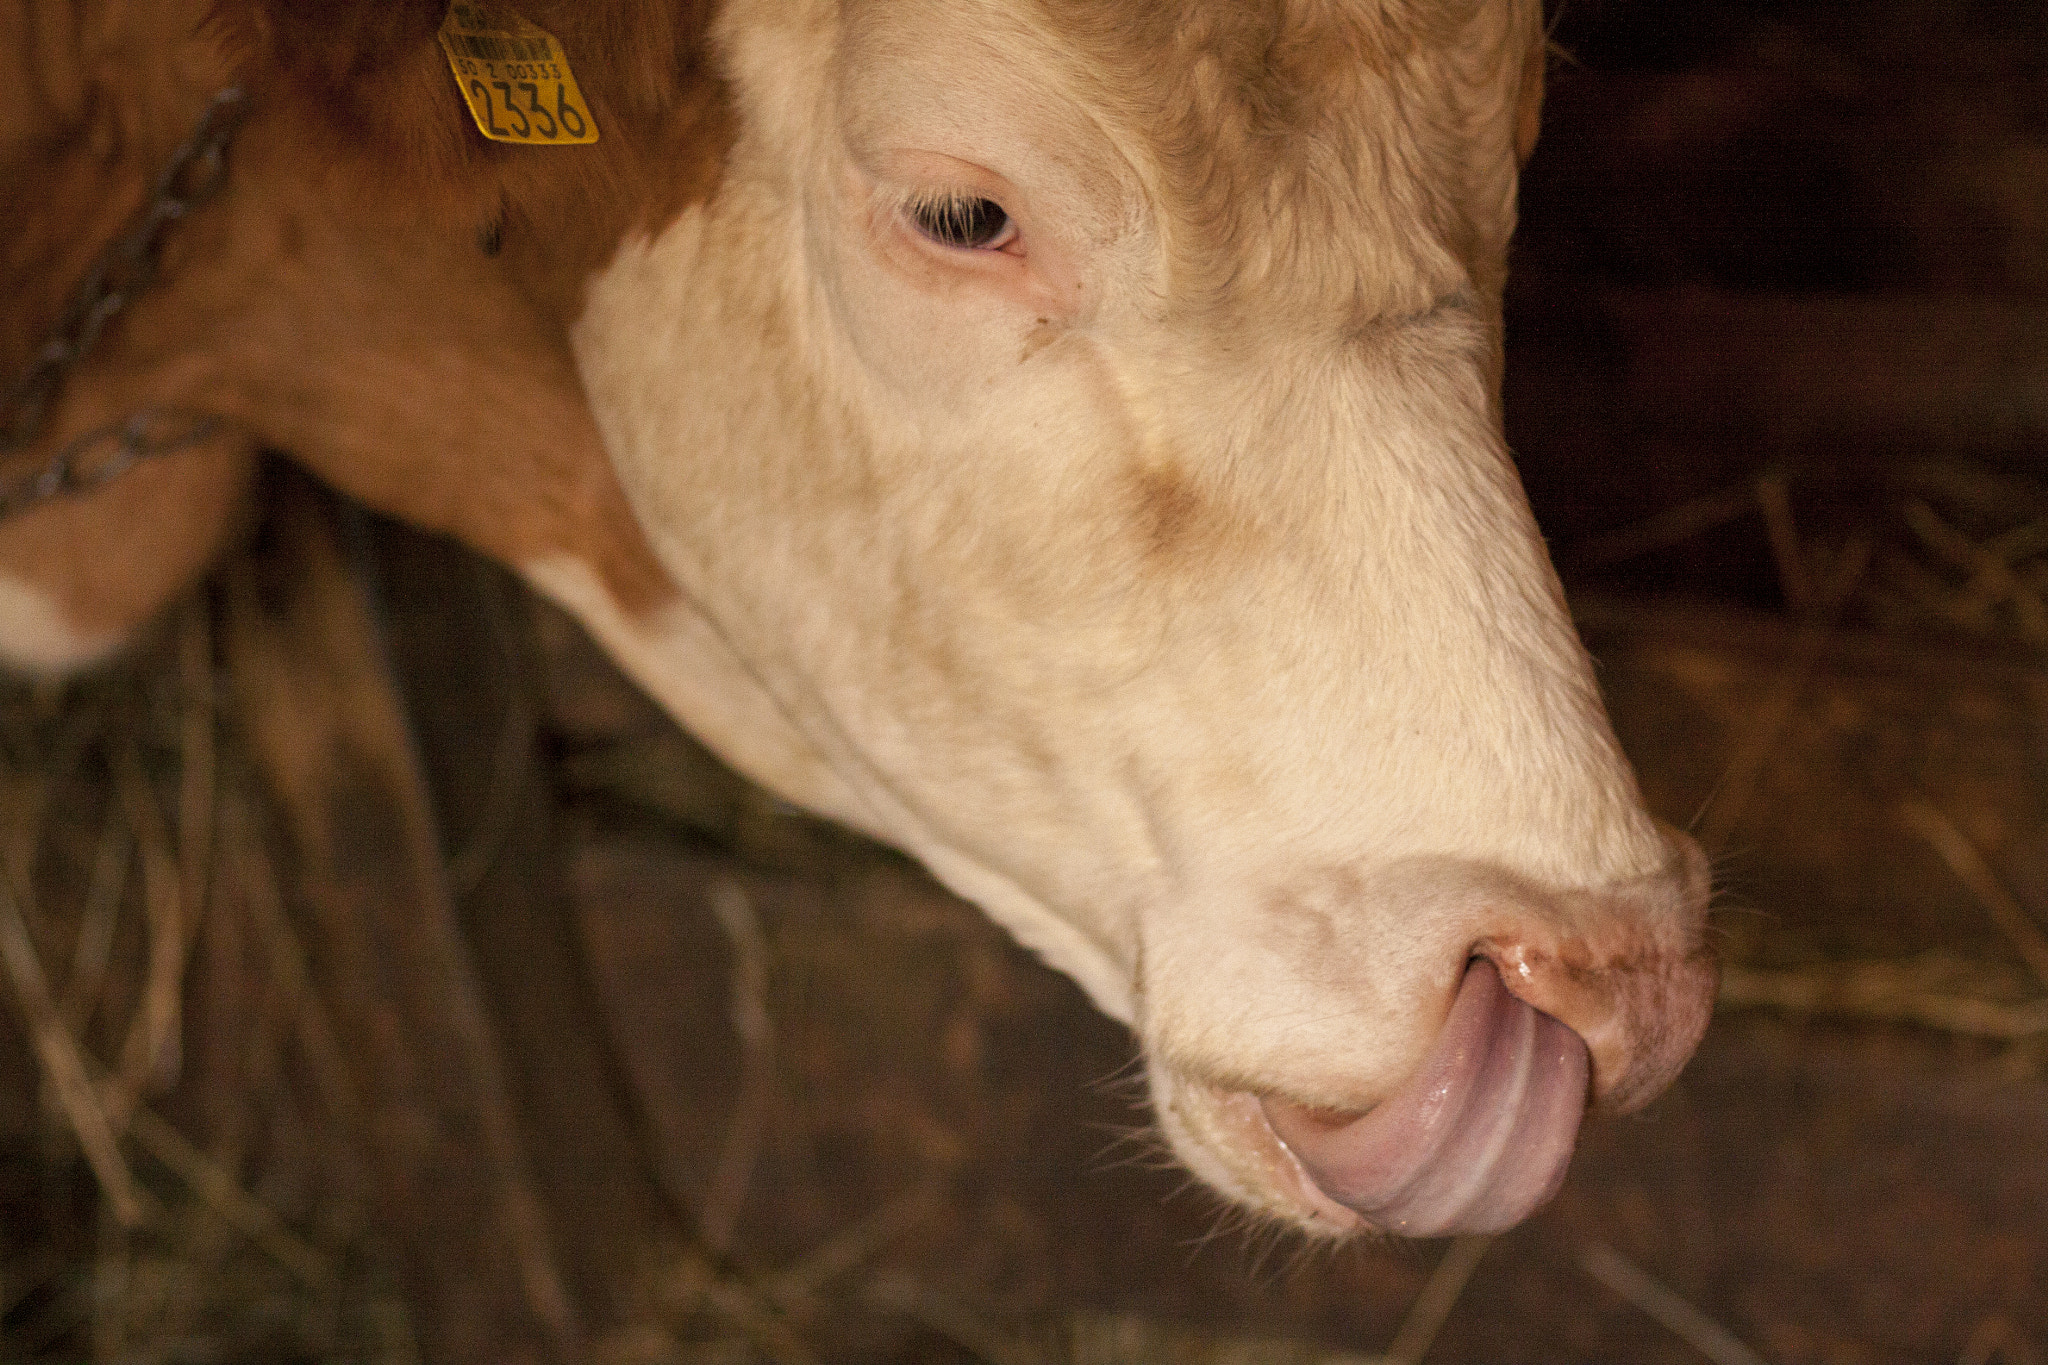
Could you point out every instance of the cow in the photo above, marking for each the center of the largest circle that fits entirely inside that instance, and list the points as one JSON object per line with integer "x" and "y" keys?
{"x": 1058, "y": 438}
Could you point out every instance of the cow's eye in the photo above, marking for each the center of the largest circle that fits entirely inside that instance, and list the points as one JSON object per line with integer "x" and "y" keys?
{"x": 962, "y": 221}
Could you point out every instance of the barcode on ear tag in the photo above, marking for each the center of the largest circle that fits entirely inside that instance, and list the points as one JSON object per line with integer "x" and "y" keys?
{"x": 515, "y": 78}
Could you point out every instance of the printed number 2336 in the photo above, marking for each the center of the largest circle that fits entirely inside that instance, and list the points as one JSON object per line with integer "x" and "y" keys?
{"x": 525, "y": 111}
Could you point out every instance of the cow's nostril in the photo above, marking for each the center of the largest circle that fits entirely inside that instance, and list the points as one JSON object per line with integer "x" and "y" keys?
{"x": 1639, "y": 1010}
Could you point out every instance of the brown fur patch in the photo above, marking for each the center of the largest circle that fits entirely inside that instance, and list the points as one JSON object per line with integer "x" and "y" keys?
{"x": 374, "y": 102}
{"x": 85, "y": 144}
{"x": 1168, "y": 509}
{"x": 1042, "y": 334}
{"x": 335, "y": 300}
{"x": 111, "y": 561}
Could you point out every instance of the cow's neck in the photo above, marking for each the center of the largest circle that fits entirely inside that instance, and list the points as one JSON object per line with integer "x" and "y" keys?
{"x": 377, "y": 342}
{"x": 340, "y": 302}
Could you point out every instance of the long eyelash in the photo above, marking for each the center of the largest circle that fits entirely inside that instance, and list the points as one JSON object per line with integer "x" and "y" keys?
{"x": 916, "y": 203}
{"x": 939, "y": 205}
{"x": 961, "y": 218}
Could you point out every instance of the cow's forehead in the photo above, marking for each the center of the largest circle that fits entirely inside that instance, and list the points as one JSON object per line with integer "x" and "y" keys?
{"x": 1354, "y": 155}
{"x": 1271, "y": 51}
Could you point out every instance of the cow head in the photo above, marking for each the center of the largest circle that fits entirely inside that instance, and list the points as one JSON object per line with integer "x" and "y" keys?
{"x": 1074, "y": 429}
{"x": 1067, "y": 434}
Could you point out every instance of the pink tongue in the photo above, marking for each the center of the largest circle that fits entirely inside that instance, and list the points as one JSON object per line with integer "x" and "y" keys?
{"x": 1476, "y": 1140}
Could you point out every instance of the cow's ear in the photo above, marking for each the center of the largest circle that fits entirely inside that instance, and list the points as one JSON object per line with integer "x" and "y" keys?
{"x": 1529, "y": 100}
{"x": 332, "y": 43}
{"x": 369, "y": 78}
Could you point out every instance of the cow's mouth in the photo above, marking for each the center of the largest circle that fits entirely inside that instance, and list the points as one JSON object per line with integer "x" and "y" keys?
{"x": 1475, "y": 1140}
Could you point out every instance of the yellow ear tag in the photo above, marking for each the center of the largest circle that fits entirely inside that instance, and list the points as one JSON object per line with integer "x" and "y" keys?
{"x": 515, "y": 78}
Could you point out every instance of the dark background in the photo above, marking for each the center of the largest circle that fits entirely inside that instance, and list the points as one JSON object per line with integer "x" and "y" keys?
{"x": 1813, "y": 235}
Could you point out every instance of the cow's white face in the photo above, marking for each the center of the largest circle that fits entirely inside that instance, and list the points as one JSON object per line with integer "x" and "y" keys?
{"x": 1151, "y": 565}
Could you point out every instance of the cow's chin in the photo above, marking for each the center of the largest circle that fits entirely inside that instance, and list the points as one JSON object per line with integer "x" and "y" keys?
{"x": 1475, "y": 1140}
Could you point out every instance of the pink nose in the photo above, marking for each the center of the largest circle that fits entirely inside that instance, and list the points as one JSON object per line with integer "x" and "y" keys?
{"x": 1477, "y": 1139}
{"x": 1626, "y": 970}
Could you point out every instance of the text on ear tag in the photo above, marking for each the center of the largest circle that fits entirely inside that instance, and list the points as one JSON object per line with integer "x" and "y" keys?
{"x": 515, "y": 78}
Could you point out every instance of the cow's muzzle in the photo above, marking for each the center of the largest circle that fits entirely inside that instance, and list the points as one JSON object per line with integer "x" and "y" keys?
{"x": 1557, "y": 1000}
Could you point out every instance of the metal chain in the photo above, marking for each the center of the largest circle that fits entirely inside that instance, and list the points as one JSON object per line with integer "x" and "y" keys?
{"x": 194, "y": 174}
